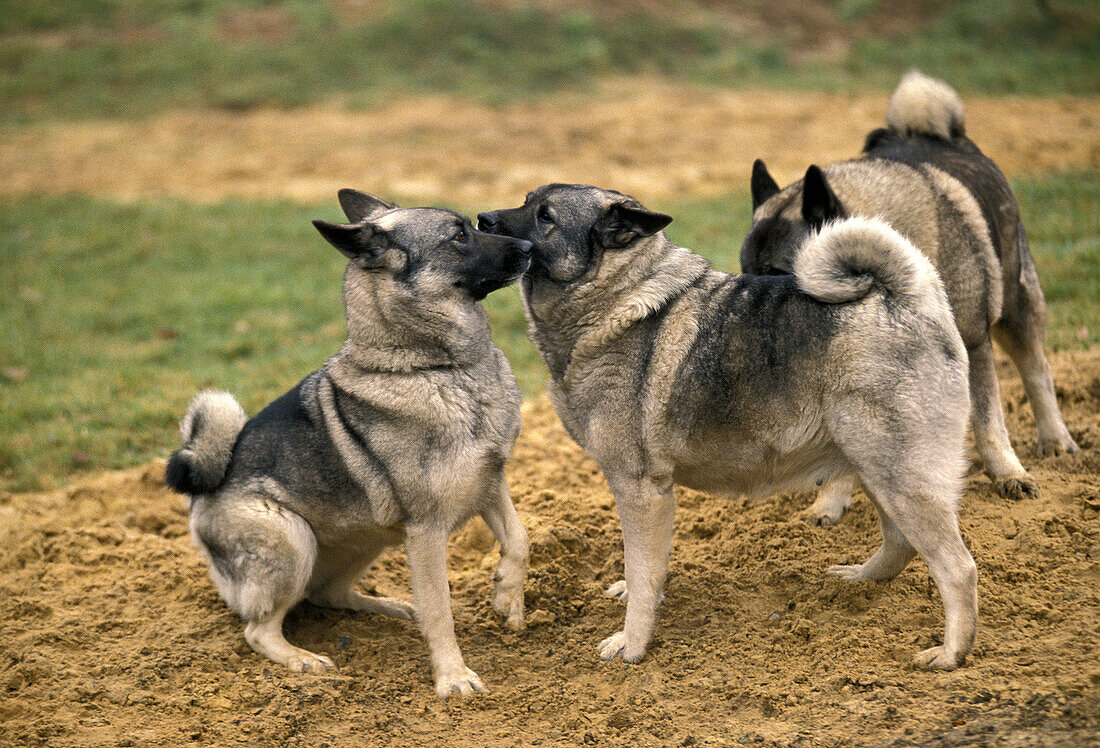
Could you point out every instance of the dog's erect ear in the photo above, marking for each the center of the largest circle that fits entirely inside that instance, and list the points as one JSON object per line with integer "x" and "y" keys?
{"x": 819, "y": 202}
{"x": 762, "y": 186}
{"x": 359, "y": 205}
{"x": 623, "y": 223}
{"x": 361, "y": 243}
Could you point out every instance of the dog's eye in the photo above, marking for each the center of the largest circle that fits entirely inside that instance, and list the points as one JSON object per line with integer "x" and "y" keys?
{"x": 545, "y": 215}
{"x": 461, "y": 235}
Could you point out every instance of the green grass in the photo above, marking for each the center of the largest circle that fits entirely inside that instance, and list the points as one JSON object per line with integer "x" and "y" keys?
{"x": 121, "y": 58}
{"x": 112, "y": 316}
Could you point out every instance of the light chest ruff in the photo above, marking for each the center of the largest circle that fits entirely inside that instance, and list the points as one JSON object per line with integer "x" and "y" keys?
{"x": 438, "y": 437}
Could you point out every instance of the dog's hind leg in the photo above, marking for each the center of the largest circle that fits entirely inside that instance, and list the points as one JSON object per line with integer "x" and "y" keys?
{"x": 1020, "y": 332}
{"x": 893, "y": 555}
{"x": 932, "y": 528}
{"x": 911, "y": 466}
{"x": 990, "y": 435}
{"x": 921, "y": 520}
{"x": 426, "y": 545}
{"x": 832, "y": 501}
{"x": 647, "y": 512}
{"x": 511, "y": 573}
{"x": 261, "y": 560}
{"x": 334, "y": 585}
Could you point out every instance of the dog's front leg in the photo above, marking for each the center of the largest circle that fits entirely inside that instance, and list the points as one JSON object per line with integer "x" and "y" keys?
{"x": 426, "y": 546}
{"x": 647, "y": 509}
{"x": 511, "y": 572}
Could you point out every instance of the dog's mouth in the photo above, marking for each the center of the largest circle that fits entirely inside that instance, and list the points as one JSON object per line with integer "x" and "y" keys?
{"x": 517, "y": 265}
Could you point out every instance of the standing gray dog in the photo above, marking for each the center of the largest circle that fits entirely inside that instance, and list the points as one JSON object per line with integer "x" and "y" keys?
{"x": 931, "y": 183}
{"x": 402, "y": 435}
{"x": 666, "y": 371}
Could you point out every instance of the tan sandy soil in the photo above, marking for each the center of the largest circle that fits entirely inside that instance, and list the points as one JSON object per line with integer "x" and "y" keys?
{"x": 654, "y": 140}
{"x": 111, "y": 633}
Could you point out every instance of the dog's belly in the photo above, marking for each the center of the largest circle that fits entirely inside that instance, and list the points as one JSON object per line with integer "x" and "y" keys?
{"x": 758, "y": 468}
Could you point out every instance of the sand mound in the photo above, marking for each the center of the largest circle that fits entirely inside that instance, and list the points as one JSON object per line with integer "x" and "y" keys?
{"x": 111, "y": 633}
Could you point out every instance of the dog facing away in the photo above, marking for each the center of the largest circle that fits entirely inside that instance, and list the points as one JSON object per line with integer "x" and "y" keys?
{"x": 930, "y": 182}
{"x": 401, "y": 435}
{"x": 666, "y": 371}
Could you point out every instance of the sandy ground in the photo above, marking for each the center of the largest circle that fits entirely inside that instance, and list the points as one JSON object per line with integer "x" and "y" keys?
{"x": 653, "y": 140}
{"x": 111, "y": 633}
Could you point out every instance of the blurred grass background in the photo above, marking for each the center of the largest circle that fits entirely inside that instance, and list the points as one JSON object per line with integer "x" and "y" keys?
{"x": 128, "y": 58}
{"x": 113, "y": 315}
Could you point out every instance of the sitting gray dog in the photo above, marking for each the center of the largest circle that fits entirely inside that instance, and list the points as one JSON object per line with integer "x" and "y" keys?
{"x": 666, "y": 371}
{"x": 402, "y": 435}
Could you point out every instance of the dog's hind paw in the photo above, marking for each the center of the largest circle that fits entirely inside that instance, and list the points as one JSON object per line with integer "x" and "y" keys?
{"x": 391, "y": 606}
{"x": 1063, "y": 445}
{"x": 619, "y": 645}
{"x": 936, "y": 658}
{"x": 1017, "y": 487}
{"x": 815, "y": 518}
{"x": 461, "y": 682}
{"x": 510, "y": 605}
{"x": 308, "y": 662}
{"x": 618, "y": 591}
{"x": 852, "y": 572}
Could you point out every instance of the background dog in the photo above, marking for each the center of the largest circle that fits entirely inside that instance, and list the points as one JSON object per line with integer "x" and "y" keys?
{"x": 930, "y": 182}
{"x": 666, "y": 371}
{"x": 403, "y": 434}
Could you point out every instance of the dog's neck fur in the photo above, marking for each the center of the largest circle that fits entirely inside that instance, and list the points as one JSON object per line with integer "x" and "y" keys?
{"x": 572, "y": 321}
{"x": 388, "y": 335}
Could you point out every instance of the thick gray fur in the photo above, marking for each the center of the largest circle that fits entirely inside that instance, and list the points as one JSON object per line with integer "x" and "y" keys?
{"x": 401, "y": 436}
{"x": 667, "y": 372}
{"x": 930, "y": 182}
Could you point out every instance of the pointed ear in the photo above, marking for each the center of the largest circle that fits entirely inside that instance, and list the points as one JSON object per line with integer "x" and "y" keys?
{"x": 361, "y": 243}
{"x": 762, "y": 186}
{"x": 359, "y": 205}
{"x": 819, "y": 202}
{"x": 623, "y": 223}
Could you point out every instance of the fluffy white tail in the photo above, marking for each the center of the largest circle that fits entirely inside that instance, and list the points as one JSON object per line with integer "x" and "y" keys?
{"x": 926, "y": 106}
{"x": 209, "y": 432}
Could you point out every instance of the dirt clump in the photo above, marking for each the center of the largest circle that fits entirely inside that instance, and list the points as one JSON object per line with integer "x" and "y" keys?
{"x": 111, "y": 632}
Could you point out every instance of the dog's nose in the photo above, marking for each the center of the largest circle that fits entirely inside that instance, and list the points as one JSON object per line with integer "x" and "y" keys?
{"x": 486, "y": 221}
{"x": 524, "y": 246}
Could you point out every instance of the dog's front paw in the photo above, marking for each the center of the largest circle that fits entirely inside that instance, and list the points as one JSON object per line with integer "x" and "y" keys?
{"x": 303, "y": 661}
{"x": 461, "y": 681}
{"x": 1063, "y": 445}
{"x": 618, "y": 591}
{"x": 1016, "y": 487}
{"x": 936, "y": 658}
{"x": 619, "y": 645}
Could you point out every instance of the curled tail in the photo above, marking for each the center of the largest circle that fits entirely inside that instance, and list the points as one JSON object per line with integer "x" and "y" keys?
{"x": 925, "y": 106}
{"x": 209, "y": 431}
{"x": 850, "y": 258}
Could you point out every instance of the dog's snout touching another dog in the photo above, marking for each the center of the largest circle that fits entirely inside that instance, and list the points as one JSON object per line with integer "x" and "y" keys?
{"x": 840, "y": 358}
